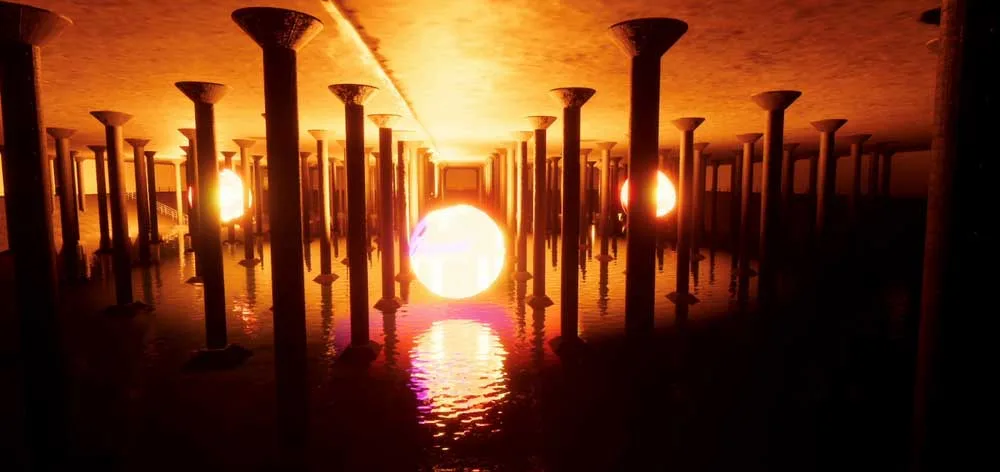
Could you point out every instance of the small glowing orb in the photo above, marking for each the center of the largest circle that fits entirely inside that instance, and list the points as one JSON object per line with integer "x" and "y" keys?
{"x": 666, "y": 195}
{"x": 230, "y": 196}
{"x": 457, "y": 252}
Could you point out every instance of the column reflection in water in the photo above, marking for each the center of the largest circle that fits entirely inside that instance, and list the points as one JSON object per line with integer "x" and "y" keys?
{"x": 457, "y": 373}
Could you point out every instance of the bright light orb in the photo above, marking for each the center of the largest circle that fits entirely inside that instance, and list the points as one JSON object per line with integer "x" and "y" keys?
{"x": 457, "y": 252}
{"x": 230, "y": 196}
{"x": 666, "y": 195}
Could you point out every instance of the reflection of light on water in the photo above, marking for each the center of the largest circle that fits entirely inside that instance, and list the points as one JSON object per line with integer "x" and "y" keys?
{"x": 666, "y": 195}
{"x": 457, "y": 252}
{"x": 243, "y": 310}
{"x": 458, "y": 376}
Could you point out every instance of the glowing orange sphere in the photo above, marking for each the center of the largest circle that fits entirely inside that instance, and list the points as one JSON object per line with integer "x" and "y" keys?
{"x": 230, "y": 196}
{"x": 457, "y": 252}
{"x": 666, "y": 195}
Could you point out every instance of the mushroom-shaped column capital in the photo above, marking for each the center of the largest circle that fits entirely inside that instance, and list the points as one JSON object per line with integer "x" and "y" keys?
{"x": 228, "y": 155}
{"x": 149, "y": 154}
{"x": 540, "y": 122}
{"x": 501, "y": 151}
{"x": 384, "y": 120}
{"x": 584, "y": 152}
{"x": 76, "y": 156}
{"x": 604, "y": 145}
{"x": 555, "y": 159}
{"x": 828, "y": 126}
{"x": 137, "y": 143}
{"x": 700, "y": 147}
{"x": 304, "y": 155}
{"x": 688, "y": 124}
{"x": 776, "y": 99}
{"x": 111, "y": 118}
{"x": 30, "y": 25}
{"x": 790, "y": 147}
{"x": 855, "y": 138}
{"x": 245, "y": 143}
{"x": 647, "y": 36}
{"x": 748, "y": 138}
{"x": 522, "y": 136}
{"x": 572, "y": 97}
{"x": 257, "y": 157}
{"x": 203, "y": 92}
{"x": 320, "y": 134}
{"x": 342, "y": 143}
{"x": 97, "y": 148}
{"x": 277, "y": 27}
{"x": 353, "y": 94}
{"x": 60, "y": 133}
{"x": 188, "y": 132}
{"x": 186, "y": 149}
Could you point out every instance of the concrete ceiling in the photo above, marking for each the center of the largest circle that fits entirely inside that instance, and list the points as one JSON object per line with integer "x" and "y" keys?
{"x": 467, "y": 71}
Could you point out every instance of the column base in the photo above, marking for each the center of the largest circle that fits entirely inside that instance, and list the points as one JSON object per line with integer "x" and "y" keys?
{"x": 326, "y": 279}
{"x": 128, "y": 309}
{"x": 568, "y": 347}
{"x": 405, "y": 277}
{"x": 521, "y": 276}
{"x": 360, "y": 353}
{"x": 682, "y": 298}
{"x": 196, "y": 280}
{"x": 388, "y": 304}
{"x": 249, "y": 262}
{"x": 539, "y": 301}
{"x": 604, "y": 258}
{"x": 229, "y": 357}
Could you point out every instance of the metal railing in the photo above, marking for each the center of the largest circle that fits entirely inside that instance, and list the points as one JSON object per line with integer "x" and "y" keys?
{"x": 162, "y": 210}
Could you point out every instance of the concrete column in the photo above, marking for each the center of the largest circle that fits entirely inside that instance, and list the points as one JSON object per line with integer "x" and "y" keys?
{"x": 405, "y": 274}
{"x": 645, "y": 40}
{"x": 305, "y": 194}
{"x": 27, "y": 193}
{"x": 281, "y": 34}
{"x": 885, "y": 175}
{"x": 555, "y": 203}
{"x": 583, "y": 223}
{"x": 614, "y": 198}
{"x": 102, "y": 199}
{"x": 746, "y": 191}
{"x": 120, "y": 257}
{"x": 788, "y": 177}
{"x": 714, "y": 202}
{"x": 698, "y": 200}
{"x": 857, "y": 143}
{"x": 607, "y": 193}
{"x": 154, "y": 219}
{"x": 249, "y": 196}
{"x": 178, "y": 192}
{"x": 524, "y": 206}
{"x": 81, "y": 193}
{"x": 70, "y": 252}
{"x": 510, "y": 189}
{"x": 389, "y": 302}
{"x": 141, "y": 198}
{"x": 873, "y": 162}
{"x": 538, "y": 298}
{"x": 205, "y": 95}
{"x": 258, "y": 189}
{"x": 354, "y": 97}
{"x": 826, "y": 172}
{"x": 685, "y": 206}
{"x": 588, "y": 191}
{"x": 771, "y": 209}
{"x": 192, "y": 188}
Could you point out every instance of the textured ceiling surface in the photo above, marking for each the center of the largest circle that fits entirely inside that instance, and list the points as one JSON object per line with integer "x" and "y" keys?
{"x": 472, "y": 69}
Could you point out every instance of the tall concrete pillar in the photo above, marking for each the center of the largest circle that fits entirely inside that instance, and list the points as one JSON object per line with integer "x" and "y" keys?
{"x": 191, "y": 166}
{"x": 281, "y": 34}
{"x": 251, "y": 199}
{"x": 405, "y": 274}
{"x": 305, "y": 194}
{"x": 572, "y": 99}
{"x": 788, "y": 177}
{"x": 746, "y": 191}
{"x": 23, "y": 31}
{"x": 389, "y": 301}
{"x": 857, "y": 143}
{"x": 217, "y": 352}
{"x": 258, "y": 189}
{"x": 826, "y": 175}
{"x": 178, "y": 192}
{"x": 81, "y": 193}
{"x": 885, "y": 174}
{"x": 734, "y": 198}
{"x": 771, "y": 209}
{"x": 614, "y": 197}
{"x": 590, "y": 192}
{"x": 584, "y": 223}
{"x": 606, "y": 194}
{"x": 141, "y": 198}
{"x": 645, "y": 41}
{"x": 539, "y": 299}
{"x": 554, "y": 200}
{"x": 354, "y": 97}
{"x": 104, "y": 224}
{"x": 685, "y": 207}
{"x": 510, "y": 206}
{"x": 154, "y": 220}
{"x": 524, "y": 206}
{"x": 326, "y": 275}
{"x": 698, "y": 200}
{"x": 714, "y": 201}
{"x": 70, "y": 253}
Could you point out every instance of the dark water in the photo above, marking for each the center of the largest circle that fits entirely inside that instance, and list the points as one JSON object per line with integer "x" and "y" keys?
{"x": 474, "y": 385}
